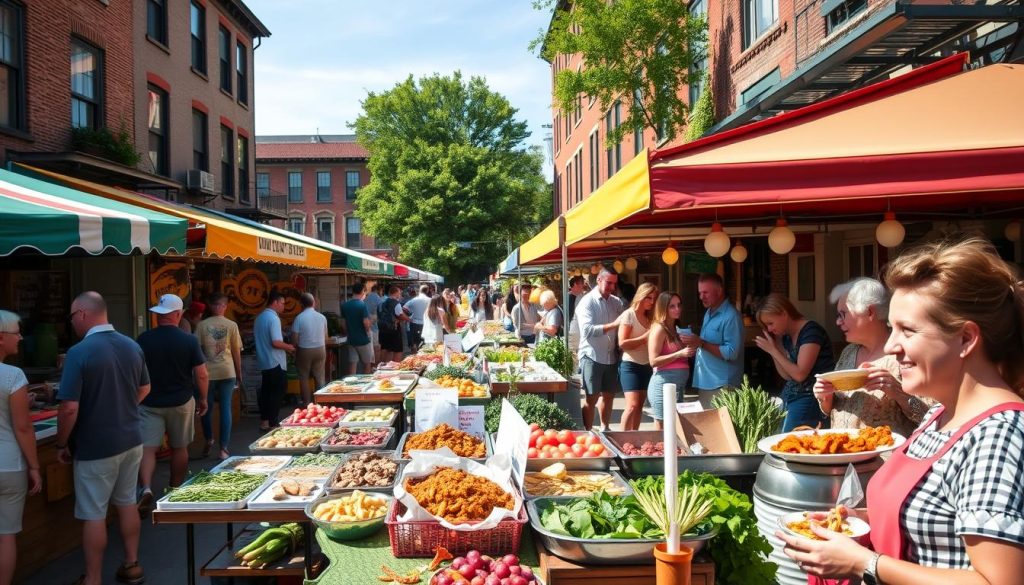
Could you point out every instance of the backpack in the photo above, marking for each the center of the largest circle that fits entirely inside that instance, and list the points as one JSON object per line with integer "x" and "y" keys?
{"x": 386, "y": 314}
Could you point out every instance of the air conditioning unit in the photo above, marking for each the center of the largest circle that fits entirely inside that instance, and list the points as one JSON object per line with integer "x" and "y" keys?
{"x": 199, "y": 180}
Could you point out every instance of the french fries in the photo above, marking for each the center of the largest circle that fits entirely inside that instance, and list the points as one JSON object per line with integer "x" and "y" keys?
{"x": 356, "y": 507}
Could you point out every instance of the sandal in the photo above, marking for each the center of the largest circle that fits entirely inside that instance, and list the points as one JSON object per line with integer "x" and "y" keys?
{"x": 207, "y": 448}
{"x": 224, "y": 454}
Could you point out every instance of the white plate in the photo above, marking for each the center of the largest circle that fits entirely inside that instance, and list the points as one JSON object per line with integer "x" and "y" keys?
{"x": 766, "y": 444}
{"x": 857, "y": 526}
{"x": 265, "y": 498}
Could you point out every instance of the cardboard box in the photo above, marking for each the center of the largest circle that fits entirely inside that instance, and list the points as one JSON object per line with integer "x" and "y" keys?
{"x": 711, "y": 428}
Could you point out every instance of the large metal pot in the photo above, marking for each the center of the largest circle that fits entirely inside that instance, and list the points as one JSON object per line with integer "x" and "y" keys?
{"x": 783, "y": 487}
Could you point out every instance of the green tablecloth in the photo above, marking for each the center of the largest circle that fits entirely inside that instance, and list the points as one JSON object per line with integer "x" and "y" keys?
{"x": 358, "y": 563}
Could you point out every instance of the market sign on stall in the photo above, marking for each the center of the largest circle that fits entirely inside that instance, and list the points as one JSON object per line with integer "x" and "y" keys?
{"x": 54, "y": 220}
{"x": 280, "y": 248}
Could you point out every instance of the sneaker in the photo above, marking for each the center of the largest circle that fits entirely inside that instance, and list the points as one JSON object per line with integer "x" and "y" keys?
{"x": 131, "y": 573}
{"x": 145, "y": 504}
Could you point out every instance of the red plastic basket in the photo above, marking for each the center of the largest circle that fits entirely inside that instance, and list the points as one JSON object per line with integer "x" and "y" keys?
{"x": 421, "y": 538}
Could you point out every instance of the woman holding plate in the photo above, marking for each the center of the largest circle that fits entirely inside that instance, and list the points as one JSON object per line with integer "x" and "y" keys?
{"x": 947, "y": 506}
{"x": 862, "y": 307}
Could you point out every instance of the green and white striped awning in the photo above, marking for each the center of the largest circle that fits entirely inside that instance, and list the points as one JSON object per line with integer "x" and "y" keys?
{"x": 55, "y": 220}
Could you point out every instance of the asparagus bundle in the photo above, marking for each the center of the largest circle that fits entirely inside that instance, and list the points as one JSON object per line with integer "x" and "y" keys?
{"x": 755, "y": 415}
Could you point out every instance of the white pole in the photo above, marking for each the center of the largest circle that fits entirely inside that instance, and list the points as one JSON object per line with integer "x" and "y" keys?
{"x": 671, "y": 467}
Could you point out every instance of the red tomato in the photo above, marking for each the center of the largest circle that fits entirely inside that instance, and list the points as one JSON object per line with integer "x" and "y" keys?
{"x": 563, "y": 448}
{"x": 591, "y": 440}
{"x": 547, "y": 451}
{"x": 551, "y": 434}
{"x": 578, "y": 450}
{"x": 597, "y": 449}
{"x": 582, "y": 439}
{"x": 540, "y": 442}
{"x": 566, "y": 437}
{"x": 533, "y": 436}
{"x": 555, "y": 455}
{"x": 534, "y": 426}
{"x": 531, "y": 453}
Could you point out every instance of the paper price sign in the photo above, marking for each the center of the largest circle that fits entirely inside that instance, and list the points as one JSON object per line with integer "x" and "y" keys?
{"x": 513, "y": 438}
{"x": 435, "y": 406}
{"x": 471, "y": 340}
{"x": 471, "y": 420}
{"x": 453, "y": 342}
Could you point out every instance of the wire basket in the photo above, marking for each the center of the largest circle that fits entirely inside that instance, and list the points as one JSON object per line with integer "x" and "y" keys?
{"x": 421, "y": 538}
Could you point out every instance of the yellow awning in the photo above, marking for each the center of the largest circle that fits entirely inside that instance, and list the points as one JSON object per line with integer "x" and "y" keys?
{"x": 626, "y": 192}
{"x": 224, "y": 238}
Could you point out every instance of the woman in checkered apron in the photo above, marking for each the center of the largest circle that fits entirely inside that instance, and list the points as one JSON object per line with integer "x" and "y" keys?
{"x": 948, "y": 506}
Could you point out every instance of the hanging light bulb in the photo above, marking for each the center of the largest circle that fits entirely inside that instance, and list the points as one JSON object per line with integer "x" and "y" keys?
{"x": 618, "y": 266}
{"x": 890, "y": 233}
{"x": 631, "y": 263}
{"x": 595, "y": 268}
{"x": 738, "y": 253}
{"x": 670, "y": 256}
{"x": 1012, "y": 231}
{"x": 781, "y": 239}
{"x": 717, "y": 242}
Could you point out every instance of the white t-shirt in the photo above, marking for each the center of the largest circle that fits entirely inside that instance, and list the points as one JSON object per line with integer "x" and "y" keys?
{"x": 418, "y": 308}
{"x": 309, "y": 329}
{"x": 433, "y": 331}
{"x": 637, "y": 355}
{"x": 11, "y": 379}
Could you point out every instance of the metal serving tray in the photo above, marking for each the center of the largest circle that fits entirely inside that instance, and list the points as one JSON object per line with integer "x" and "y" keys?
{"x": 268, "y": 463}
{"x": 616, "y": 478}
{"x": 264, "y": 499}
{"x": 387, "y": 444}
{"x": 256, "y": 450}
{"x": 489, "y": 449}
{"x": 164, "y": 503}
{"x": 722, "y": 465}
{"x": 388, "y": 489}
{"x": 602, "y": 463}
{"x": 388, "y": 423}
{"x": 612, "y": 551}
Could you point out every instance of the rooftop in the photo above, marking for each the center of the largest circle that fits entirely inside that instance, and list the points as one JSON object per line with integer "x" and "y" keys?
{"x": 309, "y": 147}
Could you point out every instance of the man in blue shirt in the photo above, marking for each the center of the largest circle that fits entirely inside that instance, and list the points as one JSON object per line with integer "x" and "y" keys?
{"x": 356, "y": 319}
{"x": 99, "y": 426}
{"x": 719, "y": 361}
{"x": 271, "y": 360}
{"x": 373, "y": 301}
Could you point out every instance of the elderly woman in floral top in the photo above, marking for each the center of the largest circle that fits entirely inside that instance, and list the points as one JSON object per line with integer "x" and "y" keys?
{"x": 862, "y": 305}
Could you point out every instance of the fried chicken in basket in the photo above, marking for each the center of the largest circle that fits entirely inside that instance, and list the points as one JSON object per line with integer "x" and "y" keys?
{"x": 457, "y": 496}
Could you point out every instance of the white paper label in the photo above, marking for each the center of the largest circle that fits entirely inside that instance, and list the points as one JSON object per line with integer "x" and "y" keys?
{"x": 435, "y": 406}
{"x": 513, "y": 438}
{"x": 453, "y": 341}
{"x": 471, "y": 340}
{"x": 688, "y": 407}
{"x": 471, "y": 420}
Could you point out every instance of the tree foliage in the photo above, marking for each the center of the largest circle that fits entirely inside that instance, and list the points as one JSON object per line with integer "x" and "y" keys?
{"x": 637, "y": 51}
{"x": 448, "y": 164}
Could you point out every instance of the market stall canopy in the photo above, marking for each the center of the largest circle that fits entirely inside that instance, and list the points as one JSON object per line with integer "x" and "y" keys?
{"x": 225, "y": 238}
{"x": 54, "y": 220}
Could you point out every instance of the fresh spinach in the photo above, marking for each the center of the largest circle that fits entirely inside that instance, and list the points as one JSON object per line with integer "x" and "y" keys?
{"x": 601, "y": 516}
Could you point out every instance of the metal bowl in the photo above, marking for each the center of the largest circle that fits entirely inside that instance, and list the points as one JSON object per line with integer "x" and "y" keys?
{"x": 341, "y": 531}
{"x": 612, "y": 551}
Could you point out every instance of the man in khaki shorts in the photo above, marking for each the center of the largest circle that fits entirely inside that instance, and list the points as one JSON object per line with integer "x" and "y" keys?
{"x": 176, "y": 362}
{"x": 309, "y": 334}
{"x": 104, "y": 379}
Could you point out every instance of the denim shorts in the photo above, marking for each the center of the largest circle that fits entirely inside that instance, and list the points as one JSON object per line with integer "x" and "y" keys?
{"x": 598, "y": 377}
{"x": 634, "y": 377}
{"x": 655, "y": 390}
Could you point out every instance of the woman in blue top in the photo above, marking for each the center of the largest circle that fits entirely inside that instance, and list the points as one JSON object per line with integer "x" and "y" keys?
{"x": 797, "y": 362}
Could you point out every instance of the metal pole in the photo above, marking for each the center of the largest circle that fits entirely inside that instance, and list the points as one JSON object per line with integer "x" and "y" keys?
{"x": 565, "y": 277}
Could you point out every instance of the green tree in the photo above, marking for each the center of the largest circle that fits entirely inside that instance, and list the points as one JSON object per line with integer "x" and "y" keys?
{"x": 639, "y": 52}
{"x": 449, "y": 164}
{"x": 702, "y": 117}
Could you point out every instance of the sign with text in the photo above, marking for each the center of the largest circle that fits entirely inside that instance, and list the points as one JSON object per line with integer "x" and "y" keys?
{"x": 453, "y": 342}
{"x": 280, "y": 249}
{"x": 435, "y": 406}
{"x": 471, "y": 420}
{"x": 472, "y": 339}
{"x": 513, "y": 438}
{"x": 370, "y": 265}
{"x": 685, "y": 407}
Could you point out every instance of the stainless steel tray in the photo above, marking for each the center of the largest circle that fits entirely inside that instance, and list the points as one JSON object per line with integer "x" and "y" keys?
{"x": 388, "y": 423}
{"x": 723, "y": 465}
{"x": 612, "y": 551}
{"x": 602, "y": 463}
{"x": 257, "y": 450}
{"x": 489, "y": 450}
{"x": 616, "y": 478}
{"x": 387, "y": 444}
{"x": 331, "y": 489}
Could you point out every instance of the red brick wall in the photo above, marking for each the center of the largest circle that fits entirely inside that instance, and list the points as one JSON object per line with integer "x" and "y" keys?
{"x": 49, "y": 26}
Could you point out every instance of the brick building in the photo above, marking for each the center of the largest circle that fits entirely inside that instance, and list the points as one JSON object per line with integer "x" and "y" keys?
{"x": 319, "y": 176}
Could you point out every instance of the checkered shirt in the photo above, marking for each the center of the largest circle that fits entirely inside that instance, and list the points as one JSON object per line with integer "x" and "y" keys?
{"x": 975, "y": 488}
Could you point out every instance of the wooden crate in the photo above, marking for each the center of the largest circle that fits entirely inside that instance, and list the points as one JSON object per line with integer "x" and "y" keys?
{"x": 558, "y": 571}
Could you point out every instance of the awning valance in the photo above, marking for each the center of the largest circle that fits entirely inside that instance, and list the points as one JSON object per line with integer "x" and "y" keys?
{"x": 53, "y": 220}
{"x": 225, "y": 238}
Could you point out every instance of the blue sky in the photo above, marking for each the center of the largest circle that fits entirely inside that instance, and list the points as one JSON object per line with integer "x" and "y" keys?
{"x": 324, "y": 55}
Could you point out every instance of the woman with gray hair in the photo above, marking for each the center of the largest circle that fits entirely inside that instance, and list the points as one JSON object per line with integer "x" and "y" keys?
{"x": 862, "y": 307}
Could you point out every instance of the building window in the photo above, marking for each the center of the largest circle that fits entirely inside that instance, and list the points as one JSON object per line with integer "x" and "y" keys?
{"x": 156, "y": 20}
{"x": 323, "y": 186}
{"x": 224, "y": 50}
{"x": 200, "y": 141}
{"x": 242, "y": 72}
{"x": 638, "y": 134}
{"x": 579, "y": 175}
{"x": 838, "y": 12}
{"x": 860, "y": 261}
{"x": 262, "y": 184}
{"x": 353, "y": 232}
{"x": 86, "y": 85}
{"x": 294, "y": 187}
{"x": 351, "y": 185}
{"x": 758, "y": 17}
{"x": 569, "y": 174}
{"x": 198, "y": 32}
{"x": 595, "y": 160}
{"x": 612, "y": 119}
{"x": 243, "y": 169}
{"x": 325, "y": 229}
{"x": 227, "y": 162}
{"x": 12, "y": 92}
{"x": 297, "y": 225}
{"x": 158, "y": 130}
{"x": 699, "y": 51}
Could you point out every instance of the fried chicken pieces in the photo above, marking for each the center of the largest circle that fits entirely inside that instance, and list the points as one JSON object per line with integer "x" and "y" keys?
{"x": 443, "y": 435}
{"x": 457, "y": 496}
{"x": 867, "y": 439}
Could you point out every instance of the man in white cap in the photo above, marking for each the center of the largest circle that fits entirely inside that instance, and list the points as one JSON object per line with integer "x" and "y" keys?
{"x": 175, "y": 362}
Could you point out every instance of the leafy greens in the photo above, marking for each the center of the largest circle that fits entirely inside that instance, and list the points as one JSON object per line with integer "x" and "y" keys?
{"x": 601, "y": 516}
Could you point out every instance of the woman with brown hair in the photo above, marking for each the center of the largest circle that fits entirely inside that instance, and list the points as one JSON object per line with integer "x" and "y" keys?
{"x": 635, "y": 368}
{"x": 435, "y": 323}
{"x": 947, "y": 506}
{"x": 451, "y": 311}
{"x": 669, "y": 357}
{"x": 800, "y": 348}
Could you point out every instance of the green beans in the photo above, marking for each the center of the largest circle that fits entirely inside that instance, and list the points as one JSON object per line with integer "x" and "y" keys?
{"x": 315, "y": 460}
{"x": 229, "y": 486}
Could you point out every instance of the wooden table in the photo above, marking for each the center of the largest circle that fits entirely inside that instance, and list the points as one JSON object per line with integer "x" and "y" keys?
{"x": 549, "y": 387}
{"x": 558, "y": 571}
{"x": 229, "y": 518}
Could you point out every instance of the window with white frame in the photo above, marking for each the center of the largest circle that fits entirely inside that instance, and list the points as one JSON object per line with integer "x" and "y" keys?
{"x": 860, "y": 260}
{"x": 353, "y": 232}
{"x": 595, "y": 159}
{"x": 758, "y": 17}
{"x": 325, "y": 228}
{"x": 297, "y": 225}
{"x": 86, "y": 85}
{"x": 294, "y": 187}
{"x": 323, "y": 186}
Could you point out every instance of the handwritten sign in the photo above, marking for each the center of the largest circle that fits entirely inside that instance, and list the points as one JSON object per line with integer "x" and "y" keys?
{"x": 280, "y": 249}
{"x": 688, "y": 407}
{"x": 513, "y": 439}
{"x": 435, "y": 406}
{"x": 471, "y": 420}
